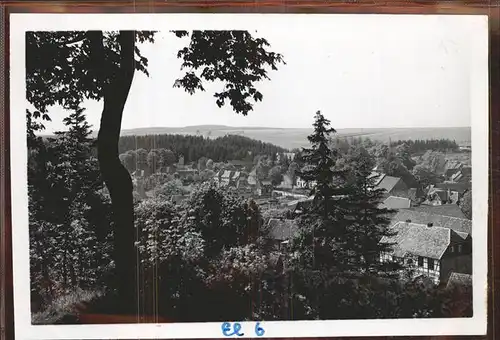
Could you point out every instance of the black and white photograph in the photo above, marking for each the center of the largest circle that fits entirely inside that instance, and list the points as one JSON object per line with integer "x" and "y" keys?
{"x": 239, "y": 175}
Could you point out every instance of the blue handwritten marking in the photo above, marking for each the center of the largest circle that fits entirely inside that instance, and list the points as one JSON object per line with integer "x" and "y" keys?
{"x": 259, "y": 331}
{"x": 226, "y": 329}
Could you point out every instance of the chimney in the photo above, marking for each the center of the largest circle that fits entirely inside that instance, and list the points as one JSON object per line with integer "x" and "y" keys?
{"x": 430, "y": 224}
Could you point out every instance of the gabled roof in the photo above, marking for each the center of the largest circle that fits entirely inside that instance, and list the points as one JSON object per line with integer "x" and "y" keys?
{"x": 282, "y": 230}
{"x": 441, "y": 193}
{"x": 394, "y": 202}
{"x": 460, "y": 187}
{"x": 457, "y": 176}
{"x": 377, "y": 177}
{"x": 453, "y": 165}
{"x": 219, "y": 173}
{"x": 459, "y": 279}
{"x": 453, "y": 223}
{"x": 419, "y": 240}
{"x": 226, "y": 174}
{"x": 451, "y": 210}
{"x": 388, "y": 183}
{"x": 466, "y": 170}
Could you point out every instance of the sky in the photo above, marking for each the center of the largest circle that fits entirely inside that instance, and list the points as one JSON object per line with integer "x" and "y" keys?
{"x": 367, "y": 72}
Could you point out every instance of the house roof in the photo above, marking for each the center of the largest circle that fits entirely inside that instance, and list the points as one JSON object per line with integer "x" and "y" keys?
{"x": 453, "y": 165}
{"x": 227, "y": 173}
{"x": 451, "y": 210}
{"x": 388, "y": 183}
{"x": 453, "y": 223}
{"x": 459, "y": 236}
{"x": 377, "y": 176}
{"x": 237, "y": 162}
{"x": 236, "y": 174}
{"x": 467, "y": 170}
{"x": 459, "y": 279}
{"x": 419, "y": 239}
{"x": 441, "y": 193}
{"x": 394, "y": 202}
{"x": 459, "y": 187}
{"x": 457, "y": 176}
{"x": 282, "y": 230}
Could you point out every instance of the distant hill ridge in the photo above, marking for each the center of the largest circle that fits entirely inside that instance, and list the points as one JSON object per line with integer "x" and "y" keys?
{"x": 290, "y": 138}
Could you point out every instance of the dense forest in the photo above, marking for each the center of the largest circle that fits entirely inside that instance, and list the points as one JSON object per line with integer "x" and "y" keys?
{"x": 420, "y": 146}
{"x": 194, "y": 147}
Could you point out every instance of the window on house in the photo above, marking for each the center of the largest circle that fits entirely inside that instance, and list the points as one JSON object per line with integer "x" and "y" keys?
{"x": 409, "y": 262}
{"x": 420, "y": 261}
{"x": 460, "y": 248}
{"x": 430, "y": 264}
{"x": 452, "y": 249}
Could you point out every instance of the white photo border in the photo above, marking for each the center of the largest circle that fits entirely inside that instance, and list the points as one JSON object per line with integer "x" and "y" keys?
{"x": 478, "y": 59}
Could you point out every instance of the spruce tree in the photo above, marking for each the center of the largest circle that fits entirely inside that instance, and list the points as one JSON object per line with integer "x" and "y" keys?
{"x": 324, "y": 220}
{"x": 368, "y": 221}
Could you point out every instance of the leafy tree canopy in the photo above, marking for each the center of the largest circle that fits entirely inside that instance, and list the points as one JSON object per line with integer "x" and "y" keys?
{"x": 60, "y": 65}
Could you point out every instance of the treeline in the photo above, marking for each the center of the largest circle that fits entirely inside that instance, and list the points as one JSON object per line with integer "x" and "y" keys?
{"x": 421, "y": 145}
{"x": 194, "y": 147}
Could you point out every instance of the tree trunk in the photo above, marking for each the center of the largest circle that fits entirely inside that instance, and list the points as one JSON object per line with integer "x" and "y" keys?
{"x": 116, "y": 87}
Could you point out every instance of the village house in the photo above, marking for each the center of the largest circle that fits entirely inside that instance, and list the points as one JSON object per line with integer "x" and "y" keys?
{"x": 428, "y": 250}
{"x": 461, "y": 188}
{"x": 225, "y": 179}
{"x": 416, "y": 195}
{"x": 394, "y": 202}
{"x": 280, "y": 232}
{"x": 264, "y": 188}
{"x": 452, "y": 167}
{"x": 302, "y": 184}
{"x": 241, "y": 165}
{"x": 450, "y": 210}
{"x": 392, "y": 186}
{"x": 286, "y": 183}
{"x": 235, "y": 179}
{"x": 438, "y": 196}
{"x": 462, "y": 176}
{"x": 462, "y": 225}
{"x": 465, "y": 148}
{"x": 435, "y": 160}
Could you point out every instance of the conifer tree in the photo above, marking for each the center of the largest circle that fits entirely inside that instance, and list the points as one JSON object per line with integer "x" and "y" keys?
{"x": 324, "y": 220}
{"x": 368, "y": 221}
